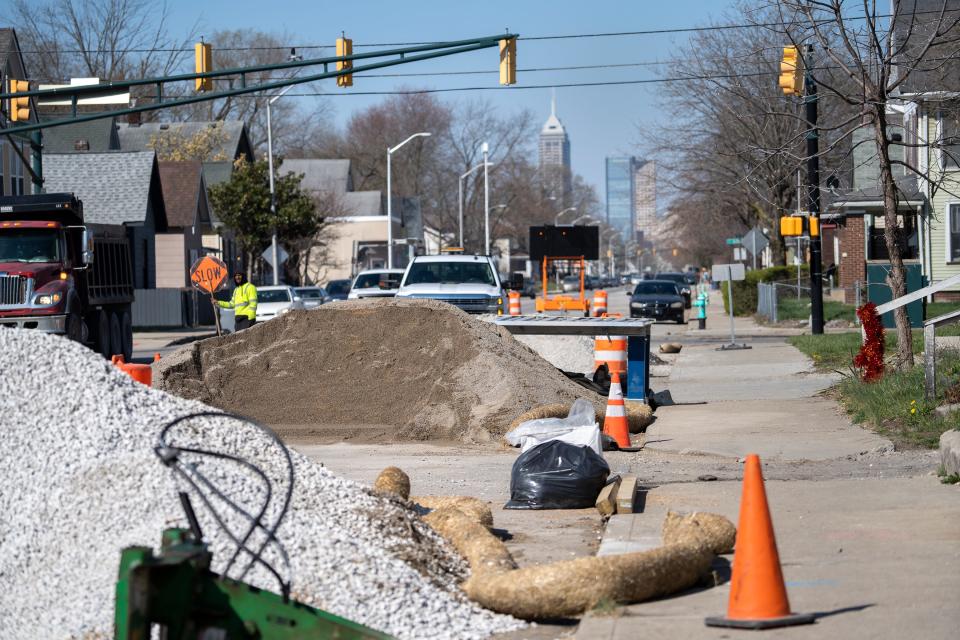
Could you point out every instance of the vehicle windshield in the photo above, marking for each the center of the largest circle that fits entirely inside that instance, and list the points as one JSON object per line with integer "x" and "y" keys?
{"x": 273, "y": 295}
{"x": 690, "y": 278}
{"x": 655, "y": 288}
{"x": 338, "y": 287}
{"x": 450, "y": 273}
{"x": 310, "y": 292}
{"x": 676, "y": 277}
{"x": 372, "y": 280}
{"x": 572, "y": 279}
{"x": 29, "y": 245}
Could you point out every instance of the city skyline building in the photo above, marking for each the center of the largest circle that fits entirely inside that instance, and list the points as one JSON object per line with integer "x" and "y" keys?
{"x": 631, "y": 197}
{"x": 554, "y": 150}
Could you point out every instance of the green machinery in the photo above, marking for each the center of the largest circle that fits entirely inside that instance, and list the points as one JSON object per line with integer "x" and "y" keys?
{"x": 178, "y": 592}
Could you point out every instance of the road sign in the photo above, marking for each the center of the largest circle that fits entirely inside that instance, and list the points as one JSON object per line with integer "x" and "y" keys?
{"x": 208, "y": 274}
{"x": 754, "y": 241}
{"x": 267, "y": 255}
{"x": 735, "y": 271}
{"x": 739, "y": 253}
{"x": 733, "y": 241}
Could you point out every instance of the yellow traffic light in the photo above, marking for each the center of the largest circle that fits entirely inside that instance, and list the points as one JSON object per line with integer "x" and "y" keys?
{"x": 203, "y": 54}
{"x": 508, "y": 61}
{"x": 791, "y": 226}
{"x": 814, "y": 226}
{"x": 791, "y": 72}
{"x": 19, "y": 108}
{"x": 344, "y": 48}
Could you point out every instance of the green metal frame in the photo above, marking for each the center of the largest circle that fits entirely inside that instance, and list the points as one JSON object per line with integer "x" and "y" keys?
{"x": 423, "y": 52}
{"x": 178, "y": 591}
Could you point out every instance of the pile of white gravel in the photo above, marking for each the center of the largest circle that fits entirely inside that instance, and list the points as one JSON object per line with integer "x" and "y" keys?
{"x": 569, "y": 353}
{"x": 81, "y": 481}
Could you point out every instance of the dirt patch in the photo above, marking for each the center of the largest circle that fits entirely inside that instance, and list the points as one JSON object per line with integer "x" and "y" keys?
{"x": 422, "y": 368}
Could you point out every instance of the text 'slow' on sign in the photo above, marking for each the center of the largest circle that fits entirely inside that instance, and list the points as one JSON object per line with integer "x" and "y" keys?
{"x": 208, "y": 274}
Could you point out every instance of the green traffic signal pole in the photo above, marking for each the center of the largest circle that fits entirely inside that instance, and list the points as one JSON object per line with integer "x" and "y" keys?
{"x": 421, "y": 52}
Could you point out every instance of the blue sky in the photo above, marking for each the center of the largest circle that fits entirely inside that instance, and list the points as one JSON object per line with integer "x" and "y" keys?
{"x": 601, "y": 121}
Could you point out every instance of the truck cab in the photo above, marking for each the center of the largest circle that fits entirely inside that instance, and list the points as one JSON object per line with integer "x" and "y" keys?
{"x": 469, "y": 282}
{"x": 62, "y": 276}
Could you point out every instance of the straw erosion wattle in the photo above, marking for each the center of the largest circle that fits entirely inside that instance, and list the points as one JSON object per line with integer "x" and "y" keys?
{"x": 419, "y": 369}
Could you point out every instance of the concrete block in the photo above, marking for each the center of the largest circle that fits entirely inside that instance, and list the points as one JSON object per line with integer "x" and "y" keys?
{"x": 950, "y": 451}
{"x": 607, "y": 500}
{"x": 628, "y": 487}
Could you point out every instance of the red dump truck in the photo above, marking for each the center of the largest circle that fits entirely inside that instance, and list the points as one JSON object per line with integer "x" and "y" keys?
{"x": 60, "y": 275}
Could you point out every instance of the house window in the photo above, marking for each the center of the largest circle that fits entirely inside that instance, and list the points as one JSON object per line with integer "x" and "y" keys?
{"x": 950, "y": 138}
{"x": 953, "y": 228}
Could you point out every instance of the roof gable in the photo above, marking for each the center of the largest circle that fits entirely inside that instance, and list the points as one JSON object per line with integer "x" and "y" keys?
{"x": 115, "y": 186}
{"x": 141, "y": 137}
{"x": 939, "y": 68}
{"x": 97, "y": 135}
{"x": 328, "y": 176}
{"x": 181, "y": 184}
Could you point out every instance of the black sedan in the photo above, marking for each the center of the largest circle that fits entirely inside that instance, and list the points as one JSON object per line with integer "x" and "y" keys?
{"x": 681, "y": 281}
{"x": 657, "y": 299}
{"x": 338, "y": 289}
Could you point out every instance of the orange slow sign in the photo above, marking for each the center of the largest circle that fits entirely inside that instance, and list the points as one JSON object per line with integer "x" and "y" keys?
{"x": 208, "y": 274}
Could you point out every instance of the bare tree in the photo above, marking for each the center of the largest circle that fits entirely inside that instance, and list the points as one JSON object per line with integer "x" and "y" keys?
{"x": 108, "y": 39}
{"x": 874, "y": 56}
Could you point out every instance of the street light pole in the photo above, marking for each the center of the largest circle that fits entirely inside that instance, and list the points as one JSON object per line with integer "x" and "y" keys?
{"x": 274, "y": 248}
{"x": 556, "y": 218}
{"x": 462, "y": 178}
{"x": 390, "y": 151}
{"x": 486, "y": 199}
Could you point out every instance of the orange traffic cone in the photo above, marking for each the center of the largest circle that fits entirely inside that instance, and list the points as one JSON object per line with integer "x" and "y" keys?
{"x": 156, "y": 357}
{"x": 758, "y": 597}
{"x": 615, "y": 422}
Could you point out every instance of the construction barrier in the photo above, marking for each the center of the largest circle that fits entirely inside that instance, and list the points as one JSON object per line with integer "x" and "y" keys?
{"x": 599, "y": 303}
{"x": 612, "y": 352}
{"x": 514, "y": 303}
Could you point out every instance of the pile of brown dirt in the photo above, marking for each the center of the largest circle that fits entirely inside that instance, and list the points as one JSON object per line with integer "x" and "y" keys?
{"x": 418, "y": 368}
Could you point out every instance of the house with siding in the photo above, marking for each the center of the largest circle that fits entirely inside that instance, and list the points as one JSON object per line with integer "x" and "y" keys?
{"x": 188, "y": 218}
{"x": 14, "y": 176}
{"x": 116, "y": 187}
{"x": 931, "y": 95}
{"x": 356, "y": 233}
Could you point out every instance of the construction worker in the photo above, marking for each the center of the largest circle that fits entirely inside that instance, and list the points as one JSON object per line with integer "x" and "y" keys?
{"x": 243, "y": 302}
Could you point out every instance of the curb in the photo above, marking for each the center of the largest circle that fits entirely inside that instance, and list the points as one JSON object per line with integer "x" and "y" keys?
{"x": 950, "y": 452}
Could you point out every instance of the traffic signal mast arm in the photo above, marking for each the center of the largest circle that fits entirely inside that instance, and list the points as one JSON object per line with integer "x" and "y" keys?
{"x": 403, "y": 56}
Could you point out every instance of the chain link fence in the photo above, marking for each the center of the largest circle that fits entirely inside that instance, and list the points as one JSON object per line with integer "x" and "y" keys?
{"x": 780, "y": 301}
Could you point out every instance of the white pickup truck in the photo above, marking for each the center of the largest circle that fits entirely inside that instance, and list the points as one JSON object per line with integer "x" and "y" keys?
{"x": 466, "y": 281}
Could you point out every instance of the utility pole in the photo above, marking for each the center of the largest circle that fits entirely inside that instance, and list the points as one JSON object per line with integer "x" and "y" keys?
{"x": 813, "y": 193}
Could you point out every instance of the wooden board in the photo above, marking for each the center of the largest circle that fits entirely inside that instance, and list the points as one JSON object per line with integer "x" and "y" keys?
{"x": 628, "y": 487}
{"x": 607, "y": 500}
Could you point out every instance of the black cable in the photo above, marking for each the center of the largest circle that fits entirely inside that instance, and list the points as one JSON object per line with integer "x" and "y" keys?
{"x": 169, "y": 454}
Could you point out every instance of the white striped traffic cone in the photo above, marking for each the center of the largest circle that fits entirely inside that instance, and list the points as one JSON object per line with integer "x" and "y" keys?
{"x": 615, "y": 422}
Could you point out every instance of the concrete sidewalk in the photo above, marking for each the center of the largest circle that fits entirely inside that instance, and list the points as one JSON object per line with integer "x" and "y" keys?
{"x": 760, "y": 400}
{"x": 873, "y": 558}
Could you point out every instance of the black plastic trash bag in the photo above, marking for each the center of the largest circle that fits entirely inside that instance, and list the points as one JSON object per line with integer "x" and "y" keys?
{"x": 557, "y": 475}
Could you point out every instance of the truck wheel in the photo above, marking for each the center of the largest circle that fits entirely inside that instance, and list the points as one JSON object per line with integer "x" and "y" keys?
{"x": 103, "y": 333}
{"x": 75, "y": 327}
{"x": 116, "y": 343}
{"x": 126, "y": 334}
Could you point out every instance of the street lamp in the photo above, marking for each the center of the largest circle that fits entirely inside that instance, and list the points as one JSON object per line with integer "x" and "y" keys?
{"x": 556, "y": 218}
{"x": 610, "y": 248}
{"x": 390, "y": 150}
{"x": 462, "y": 178}
{"x": 274, "y": 251}
{"x": 486, "y": 197}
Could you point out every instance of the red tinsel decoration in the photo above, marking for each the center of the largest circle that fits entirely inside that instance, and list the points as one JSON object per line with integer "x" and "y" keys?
{"x": 870, "y": 358}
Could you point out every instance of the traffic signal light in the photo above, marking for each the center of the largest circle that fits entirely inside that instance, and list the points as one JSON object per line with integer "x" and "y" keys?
{"x": 814, "y": 225}
{"x": 19, "y": 108}
{"x": 508, "y": 61}
{"x": 344, "y": 48}
{"x": 791, "y": 72}
{"x": 791, "y": 226}
{"x": 203, "y": 53}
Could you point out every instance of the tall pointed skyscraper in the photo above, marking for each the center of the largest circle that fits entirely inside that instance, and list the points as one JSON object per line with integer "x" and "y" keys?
{"x": 555, "y": 156}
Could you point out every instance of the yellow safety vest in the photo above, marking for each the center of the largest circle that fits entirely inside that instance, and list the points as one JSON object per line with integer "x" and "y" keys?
{"x": 243, "y": 302}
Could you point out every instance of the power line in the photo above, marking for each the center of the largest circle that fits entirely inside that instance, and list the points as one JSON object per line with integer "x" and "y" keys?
{"x": 604, "y": 34}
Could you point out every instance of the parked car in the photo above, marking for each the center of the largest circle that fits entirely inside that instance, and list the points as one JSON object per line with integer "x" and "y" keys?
{"x": 312, "y": 297}
{"x": 635, "y": 278}
{"x": 275, "y": 301}
{"x": 570, "y": 283}
{"x": 469, "y": 282}
{"x": 591, "y": 282}
{"x": 657, "y": 299}
{"x": 338, "y": 289}
{"x": 681, "y": 280}
{"x": 376, "y": 283}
